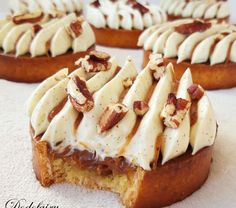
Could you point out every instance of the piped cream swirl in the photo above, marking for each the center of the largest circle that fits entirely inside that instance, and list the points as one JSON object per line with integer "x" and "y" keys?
{"x": 135, "y": 138}
{"x": 53, "y": 37}
{"x": 215, "y": 44}
{"x": 51, "y": 7}
{"x": 122, "y": 15}
{"x": 205, "y": 9}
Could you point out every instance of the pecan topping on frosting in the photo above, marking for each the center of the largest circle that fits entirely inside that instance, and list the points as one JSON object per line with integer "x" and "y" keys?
{"x": 196, "y": 91}
{"x": 195, "y": 26}
{"x": 127, "y": 82}
{"x": 83, "y": 102}
{"x": 96, "y": 3}
{"x": 75, "y": 28}
{"x": 140, "y": 107}
{"x": 37, "y": 28}
{"x": 174, "y": 111}
{"x": 111, "y": 116}
{"x": 96, "y": 61}
{"x": 136, "y": 5}
{"x": 28, "y": 18}
{"x": 156, "y": 64}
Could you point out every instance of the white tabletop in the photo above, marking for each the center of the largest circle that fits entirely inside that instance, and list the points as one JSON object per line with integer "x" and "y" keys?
{"x": 17, "y": 179}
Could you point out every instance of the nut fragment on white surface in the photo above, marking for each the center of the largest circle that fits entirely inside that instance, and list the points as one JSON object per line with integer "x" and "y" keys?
{"x": 111, "y": 116}
{"x": 140, "y": 107}
{"x": 174, "y": 111}
{"x": 79, "y": 95}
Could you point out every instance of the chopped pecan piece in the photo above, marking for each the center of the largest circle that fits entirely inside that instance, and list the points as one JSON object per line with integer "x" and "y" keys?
{"x": 181, "y": 104}
{"x": 111, "y": 116}
{"x": 159, "y": 73}
{"x": 95, "y": 62}
{"x": 169, "y": 108}
{"x": 83, "y": 102}
{"x": 196, "y": 92}
{"x": 128, "y": 82}
{"x": 156, "y": 60}
{"x": 75, "y": 28}
{"x": 140, "y": 108}
{"x": 156, "y": 64}
{"x": 99, "y": 56}
{"x": 174, "y": 111}
{"x": 84, "y": 63}
{"x": 28, "y": 18}
{"x": 136, "y": 5}
{"x": 37, "y": 28}
{"x": 195, "y": 26}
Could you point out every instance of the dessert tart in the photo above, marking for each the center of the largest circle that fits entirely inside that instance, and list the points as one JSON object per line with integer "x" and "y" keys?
{"x": 201, "y": 9}
{"x": 119, "y": 23}
{"x": 208, "y": 48}
{"x": 144, "y": 136}
{"x": 52, "y": 7}
{"x": 34, "y": 46}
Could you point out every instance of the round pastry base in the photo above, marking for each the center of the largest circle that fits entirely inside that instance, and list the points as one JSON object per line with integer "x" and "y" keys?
{"x": 175, "y": 180}
{"x": 160, "y": 187}
{"x": 117, "y": 38}
{"x": 173, "y": 17}
{"x": 219, "y": 76}
{"x": 30, "y": 70}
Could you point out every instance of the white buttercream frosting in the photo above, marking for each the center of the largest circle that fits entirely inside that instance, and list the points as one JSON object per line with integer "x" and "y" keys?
{"x": 133, "y": 137}
{"x": 121, "y": 15}
{"x": 214, "y": 45}
{"x": 205, "y": 9}
{"x": 46, "y": 6}
{"x": 54, "y": 36}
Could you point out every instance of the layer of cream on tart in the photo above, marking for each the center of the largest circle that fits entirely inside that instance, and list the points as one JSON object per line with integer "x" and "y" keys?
{"x": 192, "y": 40}
{"x": 122, "y": 113}
{"x": 205, "y": 9}
{"x": 51, "y": 7}
{"x": 38, "y": 34}
{"x": 123, "y": 14}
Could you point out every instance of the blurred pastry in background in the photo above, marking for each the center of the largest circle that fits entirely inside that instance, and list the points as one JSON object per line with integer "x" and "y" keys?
{"x": 35, "y": 45}
{"x": 208, "y": 48}
{"x": 119, "y": 23}
{"x": 52, "y": 7}
{"x": 201, "y": 9}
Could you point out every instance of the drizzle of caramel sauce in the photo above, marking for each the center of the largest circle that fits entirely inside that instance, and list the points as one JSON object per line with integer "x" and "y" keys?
{"x": 214, "y": 45}
{"x": 130, "y": 136}
{"x": 157, "y": 151}
{"x": 137, "y": 123}
{"x": 56, "y": 109}
{"x": 193, "y": 112}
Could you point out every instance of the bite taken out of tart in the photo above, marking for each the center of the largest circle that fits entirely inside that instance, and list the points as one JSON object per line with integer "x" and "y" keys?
{"x": 119, "y": 23}
{"x": 208, "y": 48}
{"x": 146, "y": 136}
{"x": 35, "y": 45}
{"x": 201, "y": 9}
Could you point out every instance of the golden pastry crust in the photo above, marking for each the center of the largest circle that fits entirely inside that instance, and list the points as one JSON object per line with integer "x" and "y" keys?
{"x": 30, "y": 70}
{"x": 219, "y": 76}
{"x": 138, "y": 188}
{"x": 117, "y": 38}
